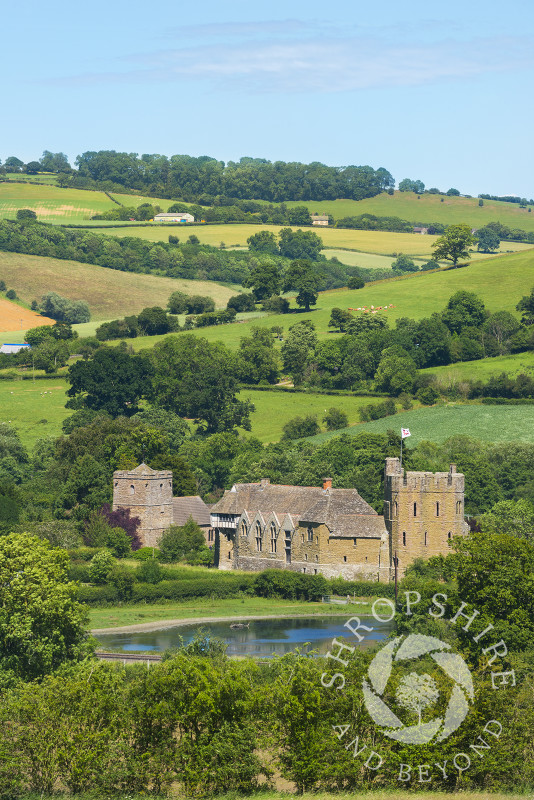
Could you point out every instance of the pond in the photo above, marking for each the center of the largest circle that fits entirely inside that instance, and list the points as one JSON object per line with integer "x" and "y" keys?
{"x": 262, "y": 638}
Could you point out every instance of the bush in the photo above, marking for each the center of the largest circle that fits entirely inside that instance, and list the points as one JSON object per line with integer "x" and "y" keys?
{"x": 11, "y": 294}
{"x": 334, "y": 419}
{"x": 290, "y": 585}
{"x": 300, "y": 427}
{"x": 177, "y": 303}
{"x": 101, "y": 565}
{"x": 377, "y": 410}
{"x": 145, "y": 553}
{"x": 183, "y": 541}
{"x": 82, "y": 553}
{"x": 241, "y": 302}
{"x": 149, "y": 572}
{"x": 198, "y": 304}
{"x": 79, "y": 572}
{"x": 355, "y": 282}
{"x": 427, "y": 396}
{"x": 280, "y": 305}
{"x": 93, "y": 595}
{"x": 122, "y": 579}
{"x": 404, "y": 264}
{"x": 2, "y": 286}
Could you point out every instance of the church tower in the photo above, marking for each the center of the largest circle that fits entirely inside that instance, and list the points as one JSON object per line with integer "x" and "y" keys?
{"x": 422, "y": 512}
{"x": 148, "y": 495}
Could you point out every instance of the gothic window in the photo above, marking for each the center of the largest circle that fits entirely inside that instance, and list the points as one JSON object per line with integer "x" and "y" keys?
{"x": 273, "y": 537}
{"x": 310, "y": 534}
{"x": 244, "y": 529}
{"x": 258, "y": 537}
{"x": 404, "y": 538}
{"x": 449, "y": 535}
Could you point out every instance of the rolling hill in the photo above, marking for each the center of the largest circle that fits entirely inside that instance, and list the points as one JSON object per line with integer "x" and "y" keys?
{"x": 110, "y": 293}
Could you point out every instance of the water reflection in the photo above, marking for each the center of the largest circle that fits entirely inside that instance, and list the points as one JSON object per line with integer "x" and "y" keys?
{"x": 265, "y": 638}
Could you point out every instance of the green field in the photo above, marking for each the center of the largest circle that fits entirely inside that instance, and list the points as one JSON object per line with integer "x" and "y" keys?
{"x": 487, "y": 423}
{"x": 110, "y": 293}
{"x": 35, "y": 408}
{"x": 500, "y": 282}
{"x": 237, "y": 234}
{"x": 52, "y": 204}
{"x": 483, "y": 369}
{"x": 428, "y": 209}
{"x": 274, "y": 409}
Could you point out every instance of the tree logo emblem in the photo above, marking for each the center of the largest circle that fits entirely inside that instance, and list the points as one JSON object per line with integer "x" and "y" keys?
{"x": 417, "y": 691}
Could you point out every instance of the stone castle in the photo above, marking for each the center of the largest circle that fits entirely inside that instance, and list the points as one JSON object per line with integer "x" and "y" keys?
{"x": 315, "y": 530}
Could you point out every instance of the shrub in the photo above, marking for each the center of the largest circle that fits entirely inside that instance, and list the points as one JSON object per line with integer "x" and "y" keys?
{"x": 377, "y": 410}
{"x": 2, "y": 286}
{"x": 82, "y": 553}
{"x": 334, "y": 419}
{"x": 198, "y": 304}
{"x": 183, "y": 541}
{"x": 242, "y": 302}
{"x": 11, "y": 294}
{"x": 149, "y": 572}
{"x": 122, "y": 579}
{"x": 145, "y": 553}
{"x": 280, "y": 305}
{"x": 427, "y": 396}
{"x": 355, "y": 282}
{"x": 177, "y": 303}
{"x": 300, "y": 427}
{"x": 101, "y": 565}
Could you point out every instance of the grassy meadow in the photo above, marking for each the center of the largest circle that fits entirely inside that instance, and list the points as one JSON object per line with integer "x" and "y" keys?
{"x": 62, "y": 206}
{"x": 110, "y": 293}
{"x": 500, "y": 282}
{"x": 483, "y": 369}
{"x": 428, "y": 209}
{"x": 274, "y": 409}
{"x": 437, "y": 423}
{"x": 35, "y": 408}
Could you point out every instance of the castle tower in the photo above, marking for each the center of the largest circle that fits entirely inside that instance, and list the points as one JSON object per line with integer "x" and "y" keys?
{"x": 148, "y": 495}
{"x": 422, "y": 512}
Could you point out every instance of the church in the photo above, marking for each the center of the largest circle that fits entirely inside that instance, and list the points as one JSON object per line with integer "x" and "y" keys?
{"x": 310, "y": 529}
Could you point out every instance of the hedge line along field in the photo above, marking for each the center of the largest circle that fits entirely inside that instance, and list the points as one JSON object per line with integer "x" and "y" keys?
{"x": 428, "y": 208}
{"x": 109, "y": 292}
{"x": 274, "y": 409}
{"x": 63, "y": 206}
{"x": 14, "y": 317}
{"x": 35, "y": 408}
{"x": 437, "y": 423}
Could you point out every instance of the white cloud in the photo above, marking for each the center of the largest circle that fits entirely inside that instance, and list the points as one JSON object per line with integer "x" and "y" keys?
{"x": 316, "y": 63}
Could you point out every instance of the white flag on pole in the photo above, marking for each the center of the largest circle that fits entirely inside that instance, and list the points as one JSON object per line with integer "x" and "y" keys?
{"x": 405, "y": 432}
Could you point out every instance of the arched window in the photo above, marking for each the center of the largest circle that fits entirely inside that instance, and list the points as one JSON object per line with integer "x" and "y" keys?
{"x": 449, "y": 535}
{"x": 404, "y": 538}
{"x": 310, "y": 533}
{"x": 132, "y": 489}
{"x": 425, "y": 538}
{"x": 258, "y": 537}
{"x": 396, "y": 508}
{"x": 244, "y": 529}
{"x": 273, "y": 537}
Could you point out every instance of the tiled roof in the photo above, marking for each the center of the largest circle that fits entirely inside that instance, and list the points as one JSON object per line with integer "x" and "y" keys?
{"x": 185, "y": 507}
{"x": 343, "y": 510}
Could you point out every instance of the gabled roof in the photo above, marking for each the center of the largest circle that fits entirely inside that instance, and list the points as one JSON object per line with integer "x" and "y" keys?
{"x": 185, "y": 507}
{"x": 343, "y": 510}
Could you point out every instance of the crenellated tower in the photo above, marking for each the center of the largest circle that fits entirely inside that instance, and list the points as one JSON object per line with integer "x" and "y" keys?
{"x": 422, "y": 512}
{"x": 148, "y": 495}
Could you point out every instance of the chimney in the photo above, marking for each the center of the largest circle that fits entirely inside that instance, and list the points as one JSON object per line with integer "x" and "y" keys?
{"x": 327, "y": 484}
{"x": 452, "y": 469}
{"x": 264, "y": 482}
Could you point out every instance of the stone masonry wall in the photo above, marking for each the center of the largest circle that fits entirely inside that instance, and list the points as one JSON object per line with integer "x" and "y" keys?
{"x": 148, "y": 495}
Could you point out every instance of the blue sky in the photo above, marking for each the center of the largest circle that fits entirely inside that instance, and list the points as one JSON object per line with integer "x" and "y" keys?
{"x": 441, "y": 92}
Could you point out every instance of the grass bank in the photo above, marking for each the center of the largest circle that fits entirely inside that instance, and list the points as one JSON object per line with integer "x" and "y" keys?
{"x": 118, "y": 616}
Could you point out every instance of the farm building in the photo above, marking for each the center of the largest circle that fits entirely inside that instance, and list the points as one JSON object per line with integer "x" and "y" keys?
{"x": 420, "y": 230}
{"x": 319, "y": 219}
{"x": 174, "y": 217}
{"x": 13, "y": 348}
